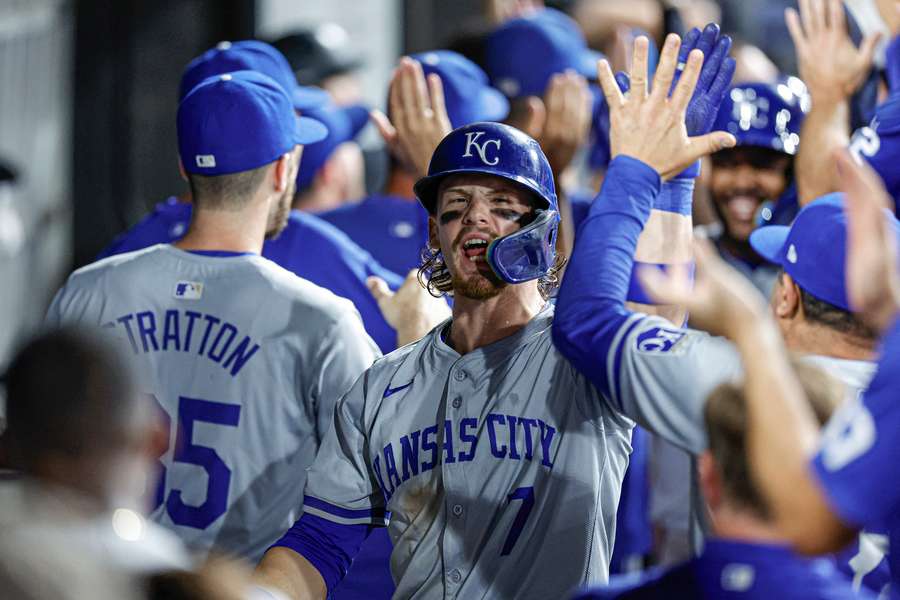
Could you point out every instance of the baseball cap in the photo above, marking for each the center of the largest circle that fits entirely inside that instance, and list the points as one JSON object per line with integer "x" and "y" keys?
{"x": 524, "y": 53}
{"x": 250, "y": 55}
{"x": 319, "y": 53}
{"x": 468, "y": 94}
{"x": 236, "y": 122}
{"x": 813, "y": 249}
{"x": 343, "y": 123}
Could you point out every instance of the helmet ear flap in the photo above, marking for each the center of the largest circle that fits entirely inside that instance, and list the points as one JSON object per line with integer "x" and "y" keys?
{"x": 528, "y": 253}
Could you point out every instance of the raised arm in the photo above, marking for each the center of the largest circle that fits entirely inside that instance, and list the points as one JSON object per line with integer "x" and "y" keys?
{"x": 649, "y": 144}
{"x": 833, "y": 69}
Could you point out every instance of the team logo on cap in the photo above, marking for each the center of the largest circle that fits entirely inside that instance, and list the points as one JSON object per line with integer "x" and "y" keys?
{"x": 472, "y": 142}
{"x": 792, "y": 254}
{"x": 206, "y": 161}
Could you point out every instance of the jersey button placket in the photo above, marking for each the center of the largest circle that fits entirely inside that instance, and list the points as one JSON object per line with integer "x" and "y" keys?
{"x": 452, "y": 547}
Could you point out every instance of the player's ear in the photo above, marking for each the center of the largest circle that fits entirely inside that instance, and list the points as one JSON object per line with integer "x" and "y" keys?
{"x": 181, "y": 169}
{"x": 283, "y": 172}
{"x": 433, "y": 239}
{"x": 785, "y": 297}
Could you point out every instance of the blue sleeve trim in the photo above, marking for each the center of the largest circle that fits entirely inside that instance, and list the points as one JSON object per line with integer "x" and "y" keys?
{"x": 328, "y": 546}
{"x": 676, "y": 196}
{"x": 590, "y": 308}
{"x": 345, "y": 516}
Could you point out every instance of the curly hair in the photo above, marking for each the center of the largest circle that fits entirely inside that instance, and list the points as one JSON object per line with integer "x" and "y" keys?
{"x": 435, "y": 277}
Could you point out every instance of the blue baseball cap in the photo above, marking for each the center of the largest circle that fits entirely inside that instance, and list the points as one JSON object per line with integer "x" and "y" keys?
{"x": 251, "y": 55}
{"x": 343, "y": 123}
{"x": 524, "y": 53}
{"x": 237, "y": 122}
{"x": 467, "y": 91}
{"x": 813, "y": 250}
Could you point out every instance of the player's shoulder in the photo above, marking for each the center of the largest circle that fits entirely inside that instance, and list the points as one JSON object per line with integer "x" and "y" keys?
{"x": 99, "y": 269}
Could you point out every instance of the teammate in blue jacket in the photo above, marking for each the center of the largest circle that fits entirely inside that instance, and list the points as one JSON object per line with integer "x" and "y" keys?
{"x": 747, "y": 557}
{"x": 309, "y": 247}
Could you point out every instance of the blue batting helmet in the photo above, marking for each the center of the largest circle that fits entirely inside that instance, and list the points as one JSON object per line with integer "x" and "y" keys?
{"x": 505, "y": 152}
{"x": 765, "y": 115}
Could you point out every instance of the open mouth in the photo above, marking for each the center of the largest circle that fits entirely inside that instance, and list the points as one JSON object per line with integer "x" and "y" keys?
{"x": 475, "y": 249}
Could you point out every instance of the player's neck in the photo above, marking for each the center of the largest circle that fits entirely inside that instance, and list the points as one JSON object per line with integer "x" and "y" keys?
{"x": 477, "y": 323}
{"x": 802, "y": 337}
{"x": 740, "y": 526}
{"x": 226, "y": 230}
{"x": 400, "y": 184}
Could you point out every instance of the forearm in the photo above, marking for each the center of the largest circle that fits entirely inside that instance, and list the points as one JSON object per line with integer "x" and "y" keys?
{"x": 825, "y": 129}
{"x": 782, "y": 430}
{"x": 290, "y": 573}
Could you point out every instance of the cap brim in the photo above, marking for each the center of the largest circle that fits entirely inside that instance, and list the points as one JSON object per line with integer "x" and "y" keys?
{"x": 587, "y": 63}
{"x": 769, "y": 242}
{"x": 492, "y": 105}
{"x": 306, "y": 97}
{"x": 310, "y": 131}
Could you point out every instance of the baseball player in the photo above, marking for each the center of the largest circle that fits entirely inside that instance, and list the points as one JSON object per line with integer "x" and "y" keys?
{"x": 822, "y": 489}
{"x": 340, "y": 265}
{"x": 645, "y": 356}
{"x": 392, "y": 225}
{"x": 467, "y": 443}
{"x": 245, "y": 359}
{"x": 746, "y": 557}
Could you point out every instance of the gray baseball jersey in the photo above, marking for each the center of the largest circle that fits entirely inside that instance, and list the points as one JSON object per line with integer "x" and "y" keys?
{"x": 246, "y": 360}
{"x": 498, "y": 472}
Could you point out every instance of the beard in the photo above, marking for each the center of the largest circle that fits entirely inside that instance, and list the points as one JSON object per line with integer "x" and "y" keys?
{"x": 478, "y": 287}
{"x": 278, "y": 219}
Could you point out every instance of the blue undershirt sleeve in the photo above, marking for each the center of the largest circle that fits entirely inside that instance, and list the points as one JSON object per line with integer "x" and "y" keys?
{"x": 590, "y": 308}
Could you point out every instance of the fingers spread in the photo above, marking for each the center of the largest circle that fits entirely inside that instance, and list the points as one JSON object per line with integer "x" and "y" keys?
{"x": 792, "y": 20}
{"x": 384, "y": 126}
{"x": 665, "y": 72}
{"x": 378, "y": 287}
{"x": 685, "y": 88}
{"x": 438, "y": 105}
{"x": 639, "y": 67}
{"x": 614, "y": 97}
{"x": 836, "y": 18}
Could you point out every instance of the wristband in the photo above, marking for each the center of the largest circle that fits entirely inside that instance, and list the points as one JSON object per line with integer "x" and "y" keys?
{"x": 676, "y": 195}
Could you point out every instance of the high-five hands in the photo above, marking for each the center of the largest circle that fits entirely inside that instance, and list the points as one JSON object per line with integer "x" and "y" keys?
{"x": 650, "y": 126}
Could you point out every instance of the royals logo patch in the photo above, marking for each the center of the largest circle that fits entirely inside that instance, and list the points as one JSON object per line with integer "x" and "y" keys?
{"x": 658, "y": 340}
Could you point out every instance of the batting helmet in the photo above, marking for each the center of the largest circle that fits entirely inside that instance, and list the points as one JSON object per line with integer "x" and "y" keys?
{"x": 505, "y": 152}
{"x": 765, "y": 115}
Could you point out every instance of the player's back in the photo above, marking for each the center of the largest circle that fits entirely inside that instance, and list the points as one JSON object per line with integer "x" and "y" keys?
{"x": 246, "y": 360}
{"x": 730, "y": 570}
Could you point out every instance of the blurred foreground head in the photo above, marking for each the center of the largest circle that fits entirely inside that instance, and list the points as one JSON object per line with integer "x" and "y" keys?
{"x": 75, "y": 419}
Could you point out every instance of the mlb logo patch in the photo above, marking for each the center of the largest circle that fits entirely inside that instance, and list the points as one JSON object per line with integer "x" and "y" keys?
{"x": 188, "y": 290}
{"x": 207, "y": 161}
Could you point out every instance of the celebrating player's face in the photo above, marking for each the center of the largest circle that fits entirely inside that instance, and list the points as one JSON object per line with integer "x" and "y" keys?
{"x": 742, "y": 179}
{"x": 474, "y": 210}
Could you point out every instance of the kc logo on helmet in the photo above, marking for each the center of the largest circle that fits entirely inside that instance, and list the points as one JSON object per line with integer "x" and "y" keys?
{"x": 472, "y": 142}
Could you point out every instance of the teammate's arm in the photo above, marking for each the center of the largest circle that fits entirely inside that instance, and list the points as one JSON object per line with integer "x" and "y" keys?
{"x": 667, "y": 234}
{"x": 833, "y": 69}
{"x": 649, "y": 144}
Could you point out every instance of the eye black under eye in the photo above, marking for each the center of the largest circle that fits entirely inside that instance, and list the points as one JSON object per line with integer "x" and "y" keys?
{"x": 450, "y": 215}
{"x": 508, "y": 214}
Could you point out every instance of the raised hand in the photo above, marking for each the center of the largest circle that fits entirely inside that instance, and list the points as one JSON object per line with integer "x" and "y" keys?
{"x": 567, "y": 103}
{"x": 419, "y": 116}
{"x": 650, "y": 126}
{"x": 873, "y": 283}
{"x": 715, "y": 76}
{"x": 830, "y": 65}
{"x": 721, "y": 300}
{"x": 411, "y": 310}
